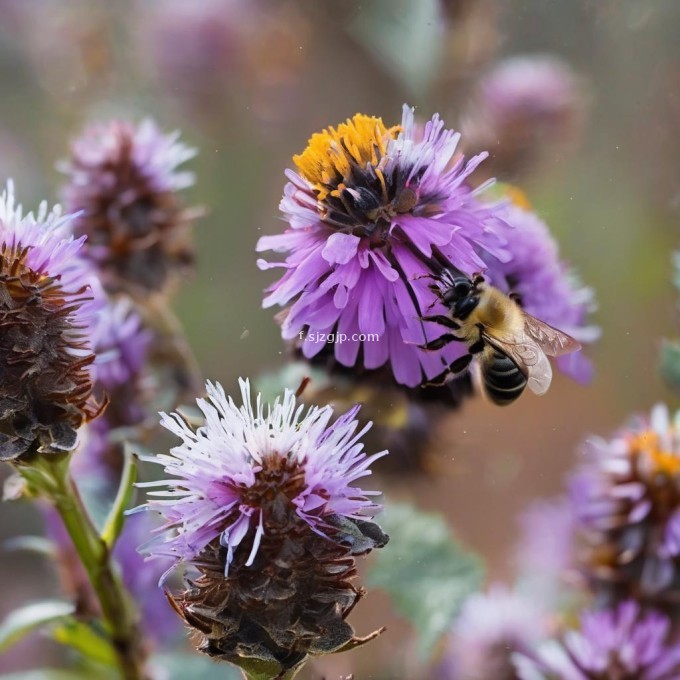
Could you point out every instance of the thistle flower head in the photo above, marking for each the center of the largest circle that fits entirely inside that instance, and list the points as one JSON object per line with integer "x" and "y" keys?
{"x": 370, "y": 209}
{"x": 626, "y": 501}
{"x": 490, "y": 628}
{"x": 374, "y": 213}
{"x": 622, "y": 644}
{"x": 123, "y": 180}
{"x": 251, "y": 471}
{"x": 261, "y": 504}
{"x": 522, "y": 107}
{"x": 47, "y": 306}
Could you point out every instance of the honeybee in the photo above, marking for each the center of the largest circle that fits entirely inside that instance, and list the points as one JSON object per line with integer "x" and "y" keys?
{"x": 509, "y": 346}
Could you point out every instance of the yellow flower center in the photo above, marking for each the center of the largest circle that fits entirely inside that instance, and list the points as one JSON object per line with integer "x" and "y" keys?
{"x": 662, "y": 462}
{"x": 331, "y": 154}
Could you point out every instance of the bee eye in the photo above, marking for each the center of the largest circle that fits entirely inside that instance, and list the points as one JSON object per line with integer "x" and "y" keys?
{"x": 462, "y": 288}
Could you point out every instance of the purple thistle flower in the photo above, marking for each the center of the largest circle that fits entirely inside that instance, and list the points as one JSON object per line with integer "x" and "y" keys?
{"x": 49, "y": 301}
{"x": 619, "y": 644}
{"x": 369, "y": 210}
{"x": 524, "y": 107}
{"x": 626, "y": 500}
{"x": 490, "y": 627}
{"x": 374, "y": 213}
{"x": 547, "y": 288}
{"x": 123, "y": 180}
{"x": 230, "y": 477}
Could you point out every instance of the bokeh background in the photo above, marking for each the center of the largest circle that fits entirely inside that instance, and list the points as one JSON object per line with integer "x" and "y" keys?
{"x": 247, "y": 82}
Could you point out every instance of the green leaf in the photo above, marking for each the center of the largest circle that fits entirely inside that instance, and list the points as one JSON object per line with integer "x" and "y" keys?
{"x": 670, "y": 363}
{"x": 22, "y": 621}
{"x": 116, "y": 517}
{"x": 425, "y": 571}
{"x": 405, "y": 36}
{"x": 180, "y": 666}
{"x": 83, "y": 638}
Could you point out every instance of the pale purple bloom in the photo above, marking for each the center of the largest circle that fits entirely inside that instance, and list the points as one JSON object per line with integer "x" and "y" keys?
{"x": 123, "y": 180}
{"x": 617, "y": 644}
{"x": 356, "y": 264}
{"x": 121, "y": 344}
{"x": 523, "y": 109}
{"x": 547, "y": 288}
{"x": 492, "y": 626}
{"x": 222, "y": 473}
{"x": 541, "y": 88}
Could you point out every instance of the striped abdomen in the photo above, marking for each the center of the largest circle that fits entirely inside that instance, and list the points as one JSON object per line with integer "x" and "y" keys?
{"x": 503, "y": 380}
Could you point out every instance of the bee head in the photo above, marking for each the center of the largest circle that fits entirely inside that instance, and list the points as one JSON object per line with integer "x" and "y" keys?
{"x": 461, "y": 294}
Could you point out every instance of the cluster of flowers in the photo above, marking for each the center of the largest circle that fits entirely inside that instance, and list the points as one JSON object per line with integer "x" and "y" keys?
{"x": 614, "y": 540}
{"x": 259, "y": 508}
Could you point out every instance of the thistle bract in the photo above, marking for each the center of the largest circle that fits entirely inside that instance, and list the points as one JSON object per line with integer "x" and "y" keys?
{"x": 47, "y": 307}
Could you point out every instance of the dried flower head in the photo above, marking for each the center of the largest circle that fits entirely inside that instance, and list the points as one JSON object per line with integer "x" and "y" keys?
{"x": 620, "y": 644}
{"x": 124, "y": 182}
{"x": 260, "y": 502}
{"x": 626, "y": 500}
{"x": 47, "y": 303}
{"x": 490, "y": 628}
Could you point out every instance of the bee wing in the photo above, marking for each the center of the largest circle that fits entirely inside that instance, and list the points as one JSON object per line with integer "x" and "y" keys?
{"x": 525, "y": 351}
{"x": 553, "y": 342}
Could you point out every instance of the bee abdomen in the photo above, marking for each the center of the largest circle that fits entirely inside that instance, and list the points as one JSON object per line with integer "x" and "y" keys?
{"x": 503, "y": 380}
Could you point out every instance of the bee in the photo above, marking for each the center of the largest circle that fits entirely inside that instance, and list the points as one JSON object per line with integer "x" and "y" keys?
{"x": 508, "y": 345}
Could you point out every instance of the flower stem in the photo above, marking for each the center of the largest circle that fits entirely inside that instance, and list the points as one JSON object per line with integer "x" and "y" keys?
{"x": 51, "y": 479}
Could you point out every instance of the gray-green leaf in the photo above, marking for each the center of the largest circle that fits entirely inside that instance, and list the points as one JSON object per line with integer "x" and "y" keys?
{"x": 425, "y": 571}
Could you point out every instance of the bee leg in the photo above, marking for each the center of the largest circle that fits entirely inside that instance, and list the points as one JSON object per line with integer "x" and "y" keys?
{"x": 476, "y": 347}
{"x": 458, "y": 366}
{"x": 440, "y": 342}
{"x": 442, "y": 320}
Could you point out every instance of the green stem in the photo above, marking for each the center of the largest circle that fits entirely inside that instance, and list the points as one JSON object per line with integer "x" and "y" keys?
{"x": 51, "y": 479}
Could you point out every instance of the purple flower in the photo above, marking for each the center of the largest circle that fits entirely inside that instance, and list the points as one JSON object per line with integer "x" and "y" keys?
{"x": 123, "y": 180}
{"x": 492, "y": 626}
{"x": 121, "y": 344}
{"x": 524, "y": 107}
{"x": 617, "y": 644}
{"x": 626, "y": 500}
{"x": 246, "y": 468}
{"x": 49, "y": 298}
{"x": 370, "y": 210}
{"x": 547, "y": 288}
{"x": 374, "y": 213}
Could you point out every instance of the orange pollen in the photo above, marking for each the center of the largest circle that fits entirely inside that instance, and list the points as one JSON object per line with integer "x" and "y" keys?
{"x": 663, "y": 462}
{"x": 331, "y": 154}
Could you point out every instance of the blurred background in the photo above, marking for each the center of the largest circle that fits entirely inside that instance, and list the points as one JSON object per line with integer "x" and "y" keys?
{"x": 248, "y": 81}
